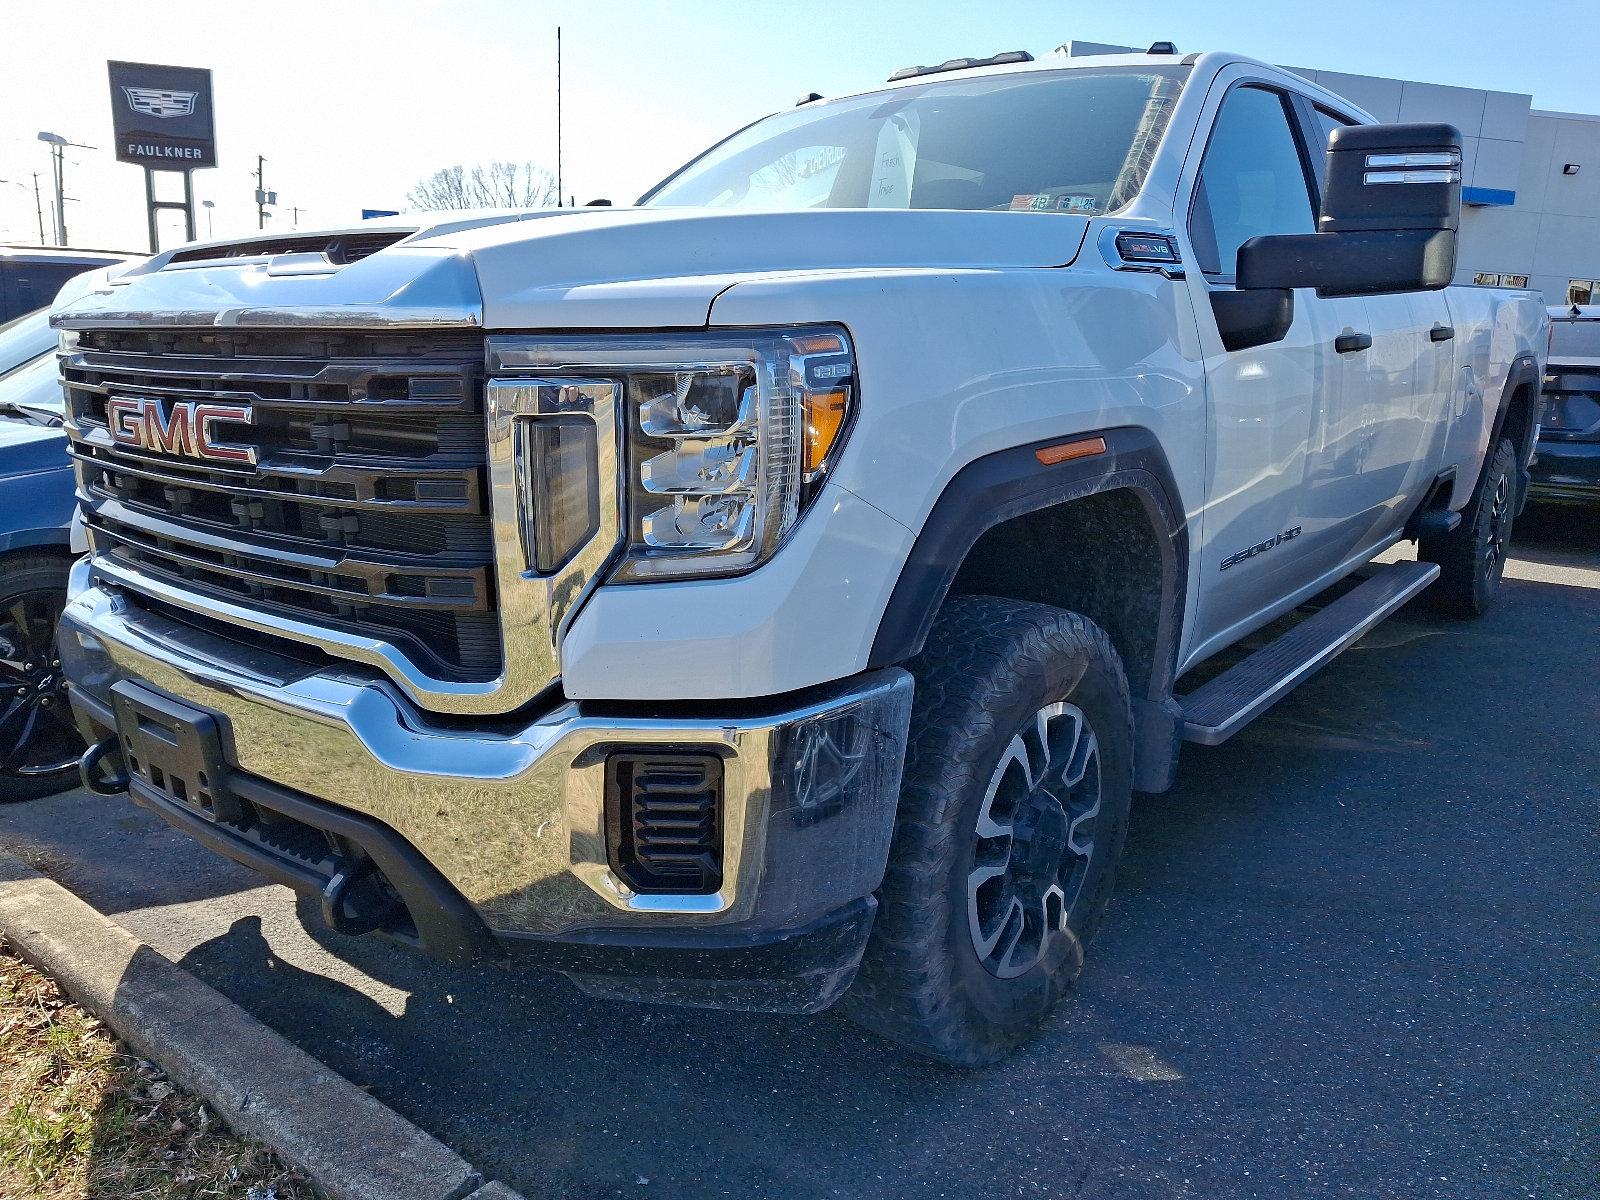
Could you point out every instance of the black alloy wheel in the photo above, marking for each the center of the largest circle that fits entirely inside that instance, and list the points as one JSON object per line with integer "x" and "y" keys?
{"x": 39, "y": 742}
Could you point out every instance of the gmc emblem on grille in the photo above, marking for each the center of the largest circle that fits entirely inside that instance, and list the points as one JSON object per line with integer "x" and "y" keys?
{"x": 185, "y": 428}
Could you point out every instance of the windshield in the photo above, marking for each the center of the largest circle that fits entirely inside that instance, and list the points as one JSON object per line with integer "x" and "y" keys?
{"x": 35, "y": 384}
{"x": 1075, "y": 141}
{"x": 24, "y": 338}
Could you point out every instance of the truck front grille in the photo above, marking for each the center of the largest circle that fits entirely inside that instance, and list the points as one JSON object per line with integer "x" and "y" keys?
{"x": 366, "y": 510}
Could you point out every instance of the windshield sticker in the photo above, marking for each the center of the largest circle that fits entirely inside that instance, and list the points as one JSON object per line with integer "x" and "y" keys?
{"x": 1031, "y": 202}
{"x": 894, "y": 162}
{"x": 1069, "y": 202}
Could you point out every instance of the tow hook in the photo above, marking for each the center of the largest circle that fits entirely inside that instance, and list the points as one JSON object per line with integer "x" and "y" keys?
{"x": 341, "y": 908}
{"x": 89, "y": 769}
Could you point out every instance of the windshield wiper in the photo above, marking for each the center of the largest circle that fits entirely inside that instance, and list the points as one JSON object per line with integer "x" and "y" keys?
{"x": 39, "y": 416}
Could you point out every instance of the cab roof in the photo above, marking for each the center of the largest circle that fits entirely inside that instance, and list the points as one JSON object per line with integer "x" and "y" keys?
{"x": 1201, "y": 63}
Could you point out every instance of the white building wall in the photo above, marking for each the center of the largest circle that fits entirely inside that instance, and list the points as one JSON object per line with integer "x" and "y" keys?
{"x": 1563, "y": 209}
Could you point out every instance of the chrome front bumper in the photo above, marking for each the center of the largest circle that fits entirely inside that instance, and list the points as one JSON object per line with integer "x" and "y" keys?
{"x": 513, "y": 813}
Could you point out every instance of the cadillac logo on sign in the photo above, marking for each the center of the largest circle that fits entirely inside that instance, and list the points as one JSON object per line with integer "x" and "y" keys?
{"x": 161, "y": 116}
{"x": 186, "y": 429}
{"x": 154, "y": 102}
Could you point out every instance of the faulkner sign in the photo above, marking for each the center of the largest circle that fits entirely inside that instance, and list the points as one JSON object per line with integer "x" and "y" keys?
{"x": 161, "y": 116}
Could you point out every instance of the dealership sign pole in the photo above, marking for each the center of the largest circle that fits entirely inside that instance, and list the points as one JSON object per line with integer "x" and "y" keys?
{"x": 162, "y": 120}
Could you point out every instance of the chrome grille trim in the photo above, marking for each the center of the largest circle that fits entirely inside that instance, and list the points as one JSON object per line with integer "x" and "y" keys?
{"x": 96, "y": 450}
{"x": 352, "y": 429}
{"x": 540, "y": 607}
{"x": 287, "y": 318}
{"x": 193, "y": 539}
{"x": 207, "y": 568}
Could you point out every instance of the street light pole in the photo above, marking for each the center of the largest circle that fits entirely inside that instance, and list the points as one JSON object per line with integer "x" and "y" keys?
{"x": 56, "y": 145}
{"x": 208, "y": 205}
{"x": 58, "y": 148}
{"x": 558, "y": 116}
{"x": 261, "y": 192}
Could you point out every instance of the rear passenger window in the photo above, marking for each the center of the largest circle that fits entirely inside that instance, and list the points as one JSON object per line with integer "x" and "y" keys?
{"x": 1252, "y": 180}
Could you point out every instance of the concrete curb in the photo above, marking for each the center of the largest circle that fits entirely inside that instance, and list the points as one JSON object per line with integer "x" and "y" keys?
{"x": 353, "y": 1146}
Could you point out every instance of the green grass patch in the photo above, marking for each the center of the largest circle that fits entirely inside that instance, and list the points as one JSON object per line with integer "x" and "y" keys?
{"x": 82, "y": 1119}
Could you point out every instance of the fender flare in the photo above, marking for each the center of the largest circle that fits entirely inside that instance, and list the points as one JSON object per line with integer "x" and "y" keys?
{"x": 1524, "y": 372}
{"x": 1012, "y": 483}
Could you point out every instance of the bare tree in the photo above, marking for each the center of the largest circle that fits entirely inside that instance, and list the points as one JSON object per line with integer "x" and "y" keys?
{"x": 487, "y": 185}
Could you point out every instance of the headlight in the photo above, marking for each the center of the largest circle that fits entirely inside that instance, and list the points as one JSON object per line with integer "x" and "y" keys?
{"x": 728, "y": 435}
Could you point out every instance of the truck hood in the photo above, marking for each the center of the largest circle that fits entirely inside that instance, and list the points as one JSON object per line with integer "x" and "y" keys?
{"x": 664, "y": 266}
{"x": 586, "y": 268}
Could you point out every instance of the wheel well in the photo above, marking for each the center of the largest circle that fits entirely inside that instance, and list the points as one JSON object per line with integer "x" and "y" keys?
{"x": 1098, "y": 556}
{"x": 40, "y": 549}
{"x": 1518, "y": 422}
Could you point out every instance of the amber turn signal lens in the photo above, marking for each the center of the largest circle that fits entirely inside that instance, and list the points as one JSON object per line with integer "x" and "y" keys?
{"x": 824, "y": 419}
{"x": 1067, "y": 451}
{"x": 818, "y": 343}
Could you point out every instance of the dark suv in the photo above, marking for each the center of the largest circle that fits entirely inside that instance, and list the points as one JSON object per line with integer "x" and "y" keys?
{"x": 1567, "y": 466}
{"x": 30, "y": 276}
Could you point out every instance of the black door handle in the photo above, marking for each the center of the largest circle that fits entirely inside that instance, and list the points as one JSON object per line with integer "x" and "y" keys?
{"x": 1349, "y": 343}
{"x": 1441, "y": 333}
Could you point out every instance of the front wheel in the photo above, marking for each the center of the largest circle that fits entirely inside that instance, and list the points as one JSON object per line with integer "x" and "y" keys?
{"x": 1012, "y": 817}
{"x": 1472, "y": 557}
{"x": 39, "y": 742}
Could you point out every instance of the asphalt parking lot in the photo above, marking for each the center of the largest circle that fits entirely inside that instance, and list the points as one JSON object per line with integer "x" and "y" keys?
{"x": 1355, "y": 953}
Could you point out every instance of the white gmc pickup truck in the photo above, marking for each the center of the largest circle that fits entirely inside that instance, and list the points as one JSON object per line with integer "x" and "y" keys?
{"x": 771, "y": 594}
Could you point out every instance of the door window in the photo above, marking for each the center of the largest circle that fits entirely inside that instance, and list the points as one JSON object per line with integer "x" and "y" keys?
{"x": 1252, "y": 180}
{"x": 1327, "y": 122}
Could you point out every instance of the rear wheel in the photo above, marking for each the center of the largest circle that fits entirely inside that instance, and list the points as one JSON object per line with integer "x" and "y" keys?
{"x": 1472, "y": 557}
{"x": 1012, "y": 818}
{"x": 39, "y": 742}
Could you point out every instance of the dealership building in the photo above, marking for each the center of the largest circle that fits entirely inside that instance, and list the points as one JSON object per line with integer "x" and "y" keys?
{"x": 1530, "y": 178}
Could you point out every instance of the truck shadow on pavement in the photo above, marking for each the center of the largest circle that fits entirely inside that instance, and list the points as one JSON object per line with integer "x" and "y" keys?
{"x": 1336, "y": 964}
{"x": 1558, "y": 535}
{"x": 1320, "y": 965}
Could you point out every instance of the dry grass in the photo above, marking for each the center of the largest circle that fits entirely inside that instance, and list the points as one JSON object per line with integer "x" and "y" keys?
{"x": 81, "y": 1118}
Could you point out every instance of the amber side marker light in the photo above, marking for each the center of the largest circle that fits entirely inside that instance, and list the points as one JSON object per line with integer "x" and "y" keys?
{"x": 1067, "y": 451}
{"x": 824, "y": 417}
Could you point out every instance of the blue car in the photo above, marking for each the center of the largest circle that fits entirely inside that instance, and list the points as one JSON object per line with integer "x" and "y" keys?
{"x": 39, "y": 744}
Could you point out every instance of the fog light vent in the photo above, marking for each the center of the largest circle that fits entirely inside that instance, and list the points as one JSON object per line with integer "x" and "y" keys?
{"x": 664, "y": 821}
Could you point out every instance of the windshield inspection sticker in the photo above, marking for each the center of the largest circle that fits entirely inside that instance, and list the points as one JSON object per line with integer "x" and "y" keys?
{"x": 1031, "y": 202}
{"x": 1082, "y": 205}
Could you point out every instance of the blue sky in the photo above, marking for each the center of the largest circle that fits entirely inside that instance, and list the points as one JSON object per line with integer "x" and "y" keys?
{"x": 381, "y": 93}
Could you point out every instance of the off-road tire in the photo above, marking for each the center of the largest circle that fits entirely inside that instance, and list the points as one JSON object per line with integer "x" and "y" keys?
{"x": 1472, "y": 557}
{"x": 41, "y": 578}
{"x": 989, "y": 665}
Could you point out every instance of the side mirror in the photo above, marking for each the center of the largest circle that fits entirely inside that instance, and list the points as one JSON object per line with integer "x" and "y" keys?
{"x": 1390, "y": 210}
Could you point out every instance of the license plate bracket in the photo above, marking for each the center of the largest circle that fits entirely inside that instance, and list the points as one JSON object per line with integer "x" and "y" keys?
{"x": 174, "y": 752}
